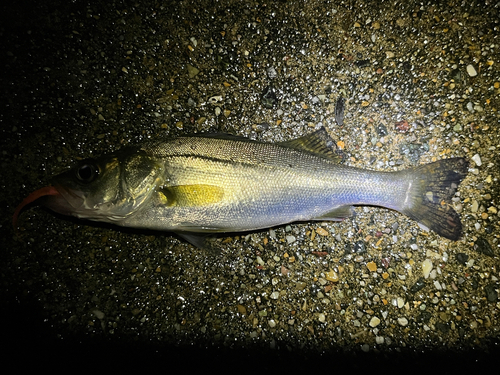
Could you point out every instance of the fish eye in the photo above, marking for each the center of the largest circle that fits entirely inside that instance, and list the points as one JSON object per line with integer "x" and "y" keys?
{"x": 87, "y": 172}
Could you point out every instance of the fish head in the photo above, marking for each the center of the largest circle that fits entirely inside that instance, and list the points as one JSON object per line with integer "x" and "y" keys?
{"x": 107, "y": 189}
{"x": 89, "y": 190}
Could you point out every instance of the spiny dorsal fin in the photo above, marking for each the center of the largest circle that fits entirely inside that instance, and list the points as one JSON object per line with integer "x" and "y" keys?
{"x": 318, "y": 143}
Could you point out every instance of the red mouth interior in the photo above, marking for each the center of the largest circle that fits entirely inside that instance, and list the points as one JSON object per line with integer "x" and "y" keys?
{"x": 48, "y": 190}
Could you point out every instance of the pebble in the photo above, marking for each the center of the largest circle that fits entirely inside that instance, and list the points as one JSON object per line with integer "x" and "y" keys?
{"x": 483, "y": 246}
{"x": 462, "y": 258}
{"x": 321, "y": 231}
{"x": 400, "y": 302}
{"x": 477, "y": 159}
{"x": 471, "y": 71}
{"x": 491, "y": 293}
{"x": 322, "y": 318}
{"x": 372, "y": 266}
{"x": 260, "y": 261}
{"x": 374, "y": 322}
{"x": 192, "y": 71}
{"x": 403, "y": 322}
{"x": 332, "y": 276}
{"x": 475, "y": 206}
{"x": 275, "y": 295}
{"x": 241, "y": 309}
{"x": 426, "y": 267}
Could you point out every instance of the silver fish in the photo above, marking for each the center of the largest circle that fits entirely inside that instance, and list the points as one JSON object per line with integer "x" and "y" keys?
{"x": 210, "y": 184}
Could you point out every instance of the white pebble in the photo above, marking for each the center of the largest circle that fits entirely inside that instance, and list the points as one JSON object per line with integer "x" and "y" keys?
{"x": 374, "y": 322}
{"x": 437, "y": 285}
{"x": 426, "y": 267}
{"x": 275, "y": 295}
{"x": 401, "y": 302}
{"x": 474, "y": 206}
{"x": 322, "y": 318}
{"x": 403, "y": 321}
{"x": 477, "y": 159}
{"x": 471, "y": 70}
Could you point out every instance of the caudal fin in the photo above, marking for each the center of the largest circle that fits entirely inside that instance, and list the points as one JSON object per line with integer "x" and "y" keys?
{"x": 428, "y": 199}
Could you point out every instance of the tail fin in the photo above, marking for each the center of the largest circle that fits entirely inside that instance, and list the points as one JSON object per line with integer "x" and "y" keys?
{"x": 428, "y": 198}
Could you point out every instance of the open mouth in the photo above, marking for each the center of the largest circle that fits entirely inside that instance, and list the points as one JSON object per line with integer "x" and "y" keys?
{"x": 50, "y": 197}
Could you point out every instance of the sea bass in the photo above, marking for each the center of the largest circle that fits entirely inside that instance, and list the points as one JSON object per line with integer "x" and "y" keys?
{"x": 218, "y": 183}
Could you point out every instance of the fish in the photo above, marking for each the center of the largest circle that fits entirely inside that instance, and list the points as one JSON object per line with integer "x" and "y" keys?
{"x": 215, "y": 183}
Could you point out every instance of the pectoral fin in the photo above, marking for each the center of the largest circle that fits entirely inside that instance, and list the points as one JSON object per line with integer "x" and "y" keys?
{"x": 191, "y": 195}
{"x": 337, "y": 214}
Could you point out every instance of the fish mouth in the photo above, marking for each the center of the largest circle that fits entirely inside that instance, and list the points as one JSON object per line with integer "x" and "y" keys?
{"x": 56, "y": 198}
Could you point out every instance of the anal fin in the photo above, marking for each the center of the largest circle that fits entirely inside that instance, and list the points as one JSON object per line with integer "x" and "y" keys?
{"x": 338, "y": 214}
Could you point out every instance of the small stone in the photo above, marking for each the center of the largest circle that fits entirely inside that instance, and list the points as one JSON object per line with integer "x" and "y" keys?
{"x": 477, "y": 159}
{"x": 471, "y": 70}
{"x": 475, "y": 206}
{"x": 372, "y": 266}
{"x": 322, "y": 231}
{"x": 260, "y": 261}
{"x": 483, "y": 246}
{"x": 322, "y": 318}
{"x": 419, "y": 285}
{"x": 491, "y": 293}
{"x": 403, "y": 322}
{"x": 400, "y": 302}
{"x": 332, "y": 276}
{"x": 241, "y": 309}
{"x": 192, "y": 71}
{"x": 426, "y": 267}
{"x": 374, "y": 322}
{"x": 462, "y": 258}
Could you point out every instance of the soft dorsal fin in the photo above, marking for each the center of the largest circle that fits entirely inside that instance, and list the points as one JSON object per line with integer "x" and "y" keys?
{"x": 318, "y": 143}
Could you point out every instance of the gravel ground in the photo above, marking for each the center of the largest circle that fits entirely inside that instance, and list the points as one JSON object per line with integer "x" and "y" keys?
{"x": 395, "y": 84}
